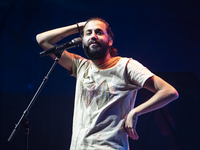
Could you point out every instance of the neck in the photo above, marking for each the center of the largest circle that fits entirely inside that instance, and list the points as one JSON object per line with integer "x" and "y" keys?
{"x": 101, "y": 61}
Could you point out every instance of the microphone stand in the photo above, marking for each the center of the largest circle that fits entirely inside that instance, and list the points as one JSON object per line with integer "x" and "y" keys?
{"x": 23, "y": 120}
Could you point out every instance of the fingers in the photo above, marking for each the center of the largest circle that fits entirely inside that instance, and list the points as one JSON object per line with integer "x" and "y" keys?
{"x": 132, "y": 133}
{"x": 130, "y": 124}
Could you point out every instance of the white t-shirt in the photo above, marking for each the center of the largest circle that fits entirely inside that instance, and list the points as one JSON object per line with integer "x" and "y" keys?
{"x": 103, "y": 99}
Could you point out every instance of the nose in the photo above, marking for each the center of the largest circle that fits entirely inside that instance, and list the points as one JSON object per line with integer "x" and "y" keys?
{"x": 94, "y": 36}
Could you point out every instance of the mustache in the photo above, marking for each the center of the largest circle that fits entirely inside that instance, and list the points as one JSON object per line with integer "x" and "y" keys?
{"x": 93, "y": 41}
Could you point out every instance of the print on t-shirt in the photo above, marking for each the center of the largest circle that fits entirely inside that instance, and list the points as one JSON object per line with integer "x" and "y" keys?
{"x": 93, "y": 92}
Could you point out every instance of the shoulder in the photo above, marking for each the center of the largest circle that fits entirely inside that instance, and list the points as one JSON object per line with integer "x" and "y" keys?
{"x": 137, "y": 72}
{"x": 79, "y": 64}
{"x": 130, "y": 61}
{"x": 77, "y": 59}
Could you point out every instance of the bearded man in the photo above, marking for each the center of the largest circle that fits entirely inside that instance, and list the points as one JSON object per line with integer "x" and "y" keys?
{"x": 106, "y": 87}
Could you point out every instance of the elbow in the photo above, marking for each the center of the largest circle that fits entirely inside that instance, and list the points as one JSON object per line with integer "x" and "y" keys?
{"x": 177, "y": 95}
{"x": 174, "y": 94}
{"x": 39, "y": 39}
{"x": 42, "y": 41}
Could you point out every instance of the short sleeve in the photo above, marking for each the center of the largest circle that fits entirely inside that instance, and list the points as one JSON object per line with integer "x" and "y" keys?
{"x": 137, "y": 73}
{"x": 78, "y": 63}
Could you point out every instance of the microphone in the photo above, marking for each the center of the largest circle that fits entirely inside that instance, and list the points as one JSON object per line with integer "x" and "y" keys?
{"x": 60, "y": 48}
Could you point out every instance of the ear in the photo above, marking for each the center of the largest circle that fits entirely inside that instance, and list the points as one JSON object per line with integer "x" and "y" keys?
{"x": 110, "y": 41}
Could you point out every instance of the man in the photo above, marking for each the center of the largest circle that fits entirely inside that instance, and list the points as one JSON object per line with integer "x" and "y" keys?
{"x": 106, "y": 87}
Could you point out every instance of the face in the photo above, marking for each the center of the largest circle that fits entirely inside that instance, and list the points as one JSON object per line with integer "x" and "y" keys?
{"x": 96, "y": 40}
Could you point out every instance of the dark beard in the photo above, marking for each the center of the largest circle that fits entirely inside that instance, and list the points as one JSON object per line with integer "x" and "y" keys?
{"x": 98, "y": 51}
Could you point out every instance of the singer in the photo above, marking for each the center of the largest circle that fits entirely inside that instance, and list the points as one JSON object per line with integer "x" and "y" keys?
{"x": 106, "y": 88}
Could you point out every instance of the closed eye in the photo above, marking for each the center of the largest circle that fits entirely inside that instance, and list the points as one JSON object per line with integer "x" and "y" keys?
{"x": 99, "y": 32}
{"x": 88, "y": 32}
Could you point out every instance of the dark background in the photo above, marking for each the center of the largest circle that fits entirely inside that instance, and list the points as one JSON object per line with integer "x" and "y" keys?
{"x": 163, "y": 35}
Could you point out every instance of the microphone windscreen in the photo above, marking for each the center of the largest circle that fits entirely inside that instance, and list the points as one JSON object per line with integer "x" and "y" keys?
{"x": 77, "y": 42}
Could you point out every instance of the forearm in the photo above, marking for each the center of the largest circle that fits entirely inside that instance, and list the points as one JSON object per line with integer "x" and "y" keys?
{"x": 50, "y": 38}
{"x": 160, "y": 99}
{"x": 164, "y": 93}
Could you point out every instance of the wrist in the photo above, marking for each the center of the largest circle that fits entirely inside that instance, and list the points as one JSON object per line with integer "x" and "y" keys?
{"x": 78, "y": 28}
{"x": 134, "y": 113}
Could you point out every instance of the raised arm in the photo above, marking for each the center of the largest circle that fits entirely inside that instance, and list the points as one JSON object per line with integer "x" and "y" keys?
{"x": 49, "y": 39}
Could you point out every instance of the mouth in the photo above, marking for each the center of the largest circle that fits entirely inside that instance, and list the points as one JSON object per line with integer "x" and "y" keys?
{"x": 94, "y": 45}
{"x": 93, "y": 42}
